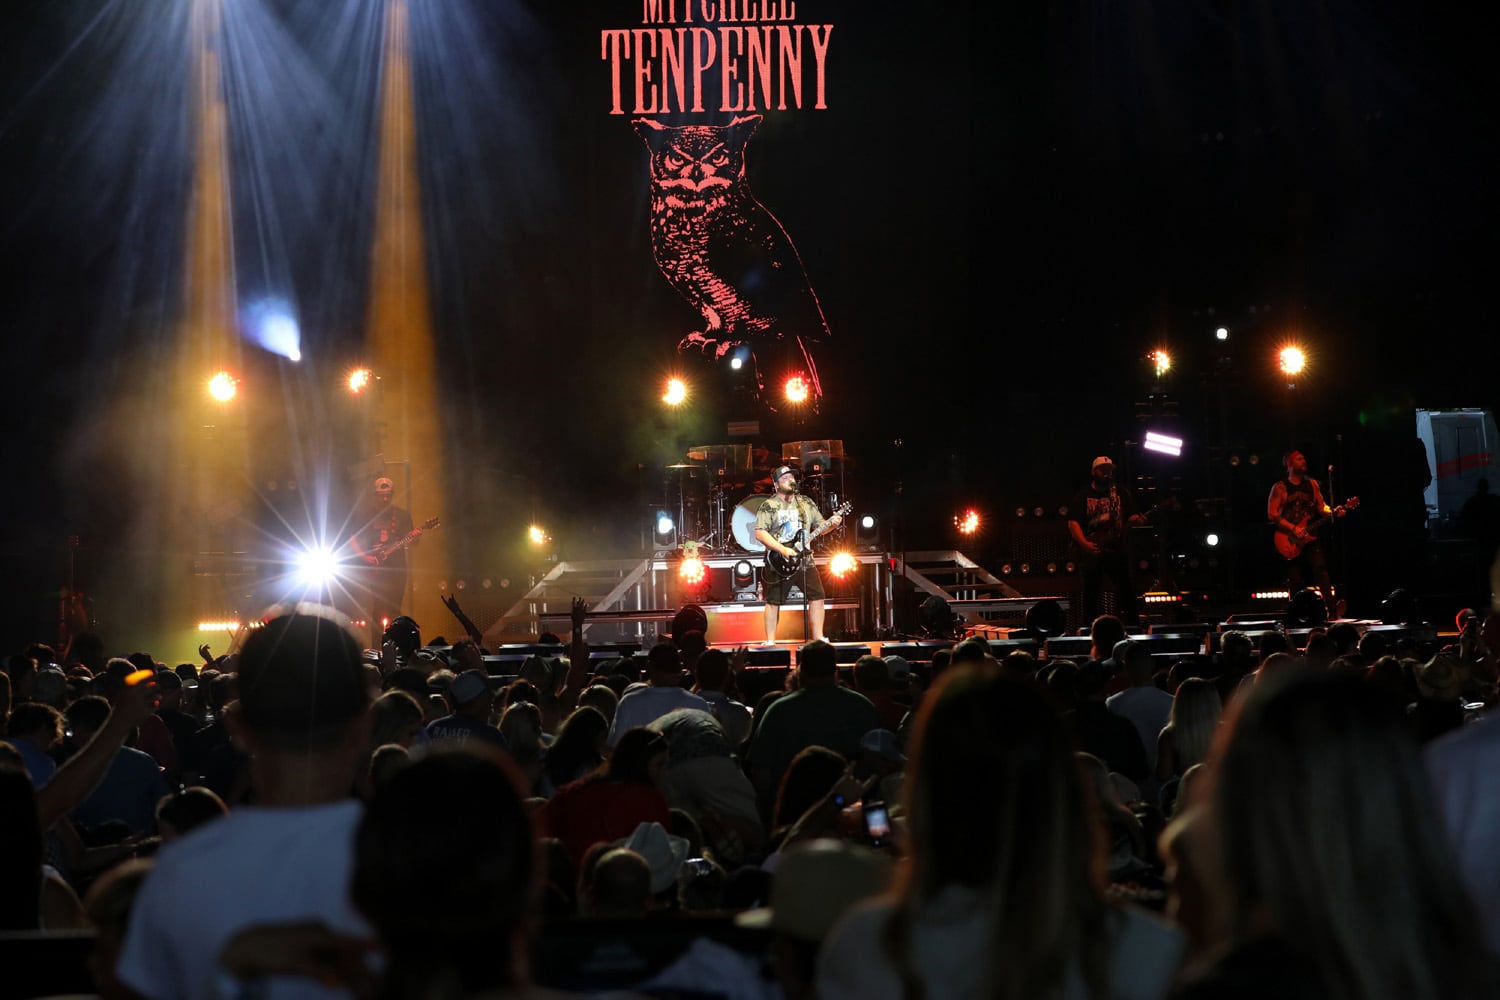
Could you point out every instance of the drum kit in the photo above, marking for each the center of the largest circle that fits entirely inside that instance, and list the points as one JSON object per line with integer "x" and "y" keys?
{"x": 703, "y": 489}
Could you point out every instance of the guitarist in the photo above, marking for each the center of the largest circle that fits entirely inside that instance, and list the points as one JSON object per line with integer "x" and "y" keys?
{"x": 382, "y": 582}
{"x": 1294, "y": 501}
{"x": 1097, "y": 518}
{"x": 784, "y": 514}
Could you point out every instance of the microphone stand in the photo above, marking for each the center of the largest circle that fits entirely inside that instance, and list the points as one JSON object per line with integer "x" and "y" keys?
{"x": 806, "y": 600}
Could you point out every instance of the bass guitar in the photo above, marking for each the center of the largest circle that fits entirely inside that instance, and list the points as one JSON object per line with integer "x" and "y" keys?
{"x": 785, "y": 566}
{"x": 384, "y": 552}
{"x": 1290, "y": 546}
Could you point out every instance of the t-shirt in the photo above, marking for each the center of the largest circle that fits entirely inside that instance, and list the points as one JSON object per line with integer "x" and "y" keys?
{"x": 591, "y": 810}
{"x": 833, "y": 717}
{"x": 1148, "y": 708}
{"x": 644, "y": 705}
{"x": 129, "y": 792}
{"x": 1102, "y": 513}
{"x": 784, "y": 518}
{"x": 256, "y": 865}
{"x": 1463, "y": 765}
{"x": 462, "y": 728}
{"x": 952, "y": 934}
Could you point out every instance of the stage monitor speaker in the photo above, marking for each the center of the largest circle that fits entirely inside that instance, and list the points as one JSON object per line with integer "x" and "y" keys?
{"x": 913, "y": 652}
{"x": 773, "y": 656}
{"x": 1000, "y": 648}
{"x": 850, "y": 653}
{"x": 1069, "y": 645}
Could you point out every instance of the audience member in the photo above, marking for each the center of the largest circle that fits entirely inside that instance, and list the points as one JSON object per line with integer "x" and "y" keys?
{"x": 642, "y": 706}
{"x": 989, "y": 904}
{"x": 303, "y": 716}
{"x": 819, "y": 713}
{"x": 1339, "y": 881}
{"x": 471, "y": 699}
{"x": 1142, "y": 702}
{"x": 610, "y": 803}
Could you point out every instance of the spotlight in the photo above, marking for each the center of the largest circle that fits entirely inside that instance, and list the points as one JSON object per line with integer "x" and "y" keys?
{"x": 967, "y": 523}
{"x": 1306, "y": 609}
{"x": 359, "y": 380}
{"x": 272, "y": 323}
{"x": 867, "y": 522}
{"x": 797, "y": 389}
{"x": 537, "y": 535}
{"x": 1221, "y": 333}
{"x": 1211, "y": 539}
{"x": 1161, "y": 362}
{"x": 739, "y": 357}
{"x": 744, "y": 573}
{"x": 316, "y": 568}
{"x": 223, "y": 386}
{"x": 676, "y": 393}
{"x": 691, "y": 570}
{"x": 664, "y": 524}
{"x": 867, "y": 532}
{"x": 1291, "y": 360}
{"x": 842, "y": 564}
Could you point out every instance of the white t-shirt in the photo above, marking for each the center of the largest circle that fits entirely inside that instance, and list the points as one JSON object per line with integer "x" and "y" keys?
{"x": 256, "y": 865}
{"x": 644, "y": 705}
{"x": 1462, "y": 765}
{"x": 949, "y": 943}
{"x": 1148, "y": 709}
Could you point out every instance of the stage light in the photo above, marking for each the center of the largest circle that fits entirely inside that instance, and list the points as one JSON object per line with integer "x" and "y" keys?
{"x": 1161, "y": 362}
{"x": 227, "y": 625}
{"x": 1291, "y": 360}
{"x": 797, "y": 389}
{"x": 1006, "y": 569}
{"x": 842, "y": 564}
{"x": 1051, "y": 568}
{"x": 664, "y": 524}
{"x": 1221, "y": 334}
{"x": 272, "y": 324}
{"x": 676, "y": 393}
{"x": 867, "y": 523}
{"x": 1212, "y": 539}
{"x": 223, "y": 387}
{"x": 744, "y": 573}
{"x": 1070, "y": 566}
{"x": 1163, "y": 444}
{"x": 691, "y": 570}
{"x": 538, "y": 535}
{"x": 360, "y": 379}
{"x": 967, "y": 523}
{"x": 739, "y": 357}
{"x": 316, "y": 568}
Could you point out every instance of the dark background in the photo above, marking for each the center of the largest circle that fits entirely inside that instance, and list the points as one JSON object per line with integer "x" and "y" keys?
{"x": 1002, "y": 212}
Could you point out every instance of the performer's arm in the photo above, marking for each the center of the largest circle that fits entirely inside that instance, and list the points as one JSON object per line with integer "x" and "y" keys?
{"x": 769, "y": 541}
{"x": 359, "y": 549}
{"x": 1318, "y": 498}
{"x": 1080, "y": 539}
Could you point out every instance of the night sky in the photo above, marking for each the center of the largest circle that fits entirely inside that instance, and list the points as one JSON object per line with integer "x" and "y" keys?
{"x": 1001, "y": 213}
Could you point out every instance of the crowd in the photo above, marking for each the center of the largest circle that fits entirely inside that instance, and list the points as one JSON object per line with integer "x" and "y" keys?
{"x": 303, "y": 818}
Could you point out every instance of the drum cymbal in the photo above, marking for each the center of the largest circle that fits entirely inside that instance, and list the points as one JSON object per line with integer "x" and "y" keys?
{"x": 685, "y": 465}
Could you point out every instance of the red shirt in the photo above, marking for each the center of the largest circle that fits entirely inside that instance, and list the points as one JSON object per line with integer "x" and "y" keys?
{"x": 589, "y": 810}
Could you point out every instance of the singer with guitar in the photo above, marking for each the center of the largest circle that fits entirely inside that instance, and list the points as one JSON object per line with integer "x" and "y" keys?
{"x": 785, "y": 520}
{"x": 1293, "y": 507}
{"x": 380, "y": 543}
{"x": 1097, "y": 518}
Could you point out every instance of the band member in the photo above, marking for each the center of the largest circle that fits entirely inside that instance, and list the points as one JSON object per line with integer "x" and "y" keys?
{"x": 1097, "y": 519}
{"x": 785, "y": 513}
{"x": 384, "y": 525}
{"x": 1293, "y": 502}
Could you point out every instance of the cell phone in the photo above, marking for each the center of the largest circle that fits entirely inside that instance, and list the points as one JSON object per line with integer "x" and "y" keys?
{"x": 877, "y": 822}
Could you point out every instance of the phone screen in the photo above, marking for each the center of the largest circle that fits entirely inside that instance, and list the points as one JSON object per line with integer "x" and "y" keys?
{"x": 877, "y": 821}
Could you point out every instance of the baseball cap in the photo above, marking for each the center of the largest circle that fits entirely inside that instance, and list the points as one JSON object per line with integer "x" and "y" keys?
{"x": 882, "y": 742}
{"x": 467, "y": 686}
{"x": 384, "y": 485}
{"x": 899, "y": 667}
{"x": 1101, "y": 460}
{"x": 782, "y": 470}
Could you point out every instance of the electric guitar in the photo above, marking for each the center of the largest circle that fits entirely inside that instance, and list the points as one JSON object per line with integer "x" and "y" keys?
{"x": 384, "y": 552}
{"x": 1290, "y": 546}
{"x": 1110, "y": 538}
{"x": 785, "y": 566}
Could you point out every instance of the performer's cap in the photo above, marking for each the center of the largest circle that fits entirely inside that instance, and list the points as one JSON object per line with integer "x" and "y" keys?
{"x": 782, "y": 470}
{"x": 1101, "y": 460}
{"x": 384, "y": 485}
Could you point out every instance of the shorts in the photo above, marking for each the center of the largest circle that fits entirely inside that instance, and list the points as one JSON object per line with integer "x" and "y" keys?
{"x": 775, "y": 590}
